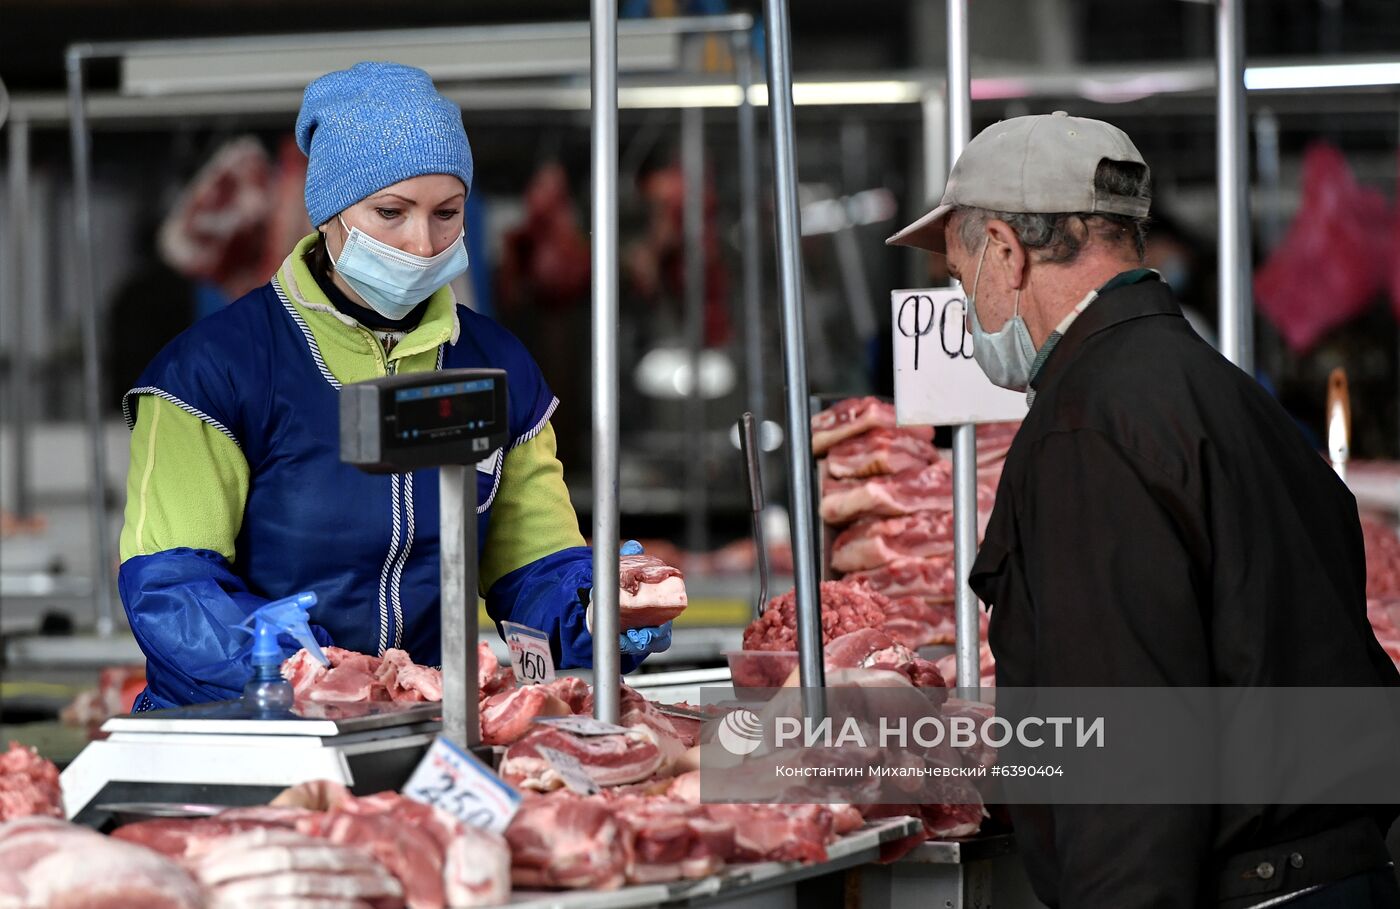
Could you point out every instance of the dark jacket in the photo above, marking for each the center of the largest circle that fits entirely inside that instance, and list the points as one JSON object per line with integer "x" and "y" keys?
{"x": 1161, "y": 522}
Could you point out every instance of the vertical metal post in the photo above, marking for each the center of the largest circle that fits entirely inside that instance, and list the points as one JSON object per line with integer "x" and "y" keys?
{"x": 86, "y": 285}
{"x": 607, "y": 659}
{"x": 693, "y": 226}
{"x": 968, "y": 634}
{"x": 748, "y": 227}
{"x": 18, "y": 267}
{"x": 1232, "y": 187}
{"x": 799, "y": 422}
{"x": 457, "y": 557}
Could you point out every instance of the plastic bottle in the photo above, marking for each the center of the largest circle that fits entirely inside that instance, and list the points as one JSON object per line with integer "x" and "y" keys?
{"x": 267, "y": 692}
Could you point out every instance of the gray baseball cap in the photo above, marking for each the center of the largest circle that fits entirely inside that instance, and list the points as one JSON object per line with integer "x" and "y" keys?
{"x": 1043, "y": 163}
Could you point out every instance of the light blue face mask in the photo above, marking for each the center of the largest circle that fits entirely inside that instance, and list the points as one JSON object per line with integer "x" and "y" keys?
{"x": 392, "y": 281}
{"x": 1005, "y": 355}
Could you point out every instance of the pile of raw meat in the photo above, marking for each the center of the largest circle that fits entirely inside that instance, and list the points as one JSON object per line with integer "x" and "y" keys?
{"x": 28, "y": 785}
{"x": 317, "y": 842}
{"x": 115, "y": 694}
{"x": 353, "y": 677}
{"x": 890, "y": 494}
{"x": 1383, "y": 583}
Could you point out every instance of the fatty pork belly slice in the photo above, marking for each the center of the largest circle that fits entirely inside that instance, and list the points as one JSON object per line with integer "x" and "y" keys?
{"x": 410, "y": 853}
{"x": 849, "y": 418}
{"x": 882, "y": 451}
{"x": 610, "y": 760}
{"x": 507, "y": 716}
{"x": 59, "y": 865}
{"x": 650, "y": 592}
{"x": 930, "y": 578}
{"x": 777, "y": 833}
{"x": 672, "y": 840}
{"x": 927, "y": 488}
{"x": 636, "y": 712}
{"x": 561, "y": 841}
{"x": 875, "y": 541}
{"x": 406, "y": 681}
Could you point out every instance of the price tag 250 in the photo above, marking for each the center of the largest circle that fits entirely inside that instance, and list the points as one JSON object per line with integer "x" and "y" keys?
{"x": 530, "y": 656}
{"x": 453, "y": 780}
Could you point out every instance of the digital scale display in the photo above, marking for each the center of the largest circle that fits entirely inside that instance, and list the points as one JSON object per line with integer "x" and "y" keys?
{"x": 436, "y": 410}
{"x": 403, "y": 422}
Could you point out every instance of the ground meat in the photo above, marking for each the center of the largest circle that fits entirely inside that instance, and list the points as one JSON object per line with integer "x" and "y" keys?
{"x": 846, "y": 606}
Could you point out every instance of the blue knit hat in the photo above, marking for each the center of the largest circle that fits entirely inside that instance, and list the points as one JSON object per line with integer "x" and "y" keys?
{"x": 369, "y": 127}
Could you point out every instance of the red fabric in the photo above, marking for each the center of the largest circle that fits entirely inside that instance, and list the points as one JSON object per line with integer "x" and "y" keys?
{"x": 1332, "y": 262}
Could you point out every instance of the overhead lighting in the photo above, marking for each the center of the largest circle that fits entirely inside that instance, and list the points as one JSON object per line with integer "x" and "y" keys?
{"x": 1331, "y": 75}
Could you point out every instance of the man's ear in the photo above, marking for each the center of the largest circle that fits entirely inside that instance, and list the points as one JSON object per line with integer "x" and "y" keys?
{"x": 1007, "y": 252}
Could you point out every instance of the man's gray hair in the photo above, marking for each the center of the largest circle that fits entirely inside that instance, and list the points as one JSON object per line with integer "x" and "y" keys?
{"x": 1060, "y": 237}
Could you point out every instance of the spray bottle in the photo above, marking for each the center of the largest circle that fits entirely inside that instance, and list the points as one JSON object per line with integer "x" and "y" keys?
{"x": 267, "y": 691}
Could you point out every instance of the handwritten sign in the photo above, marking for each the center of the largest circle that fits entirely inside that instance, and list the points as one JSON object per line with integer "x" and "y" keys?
{"x": 582, "y": 725}
{"x": 570, "y": 771}
{"x": 936, "y": 380}
{"x": 453, "y": 780}
{"x": 530, "y": 656}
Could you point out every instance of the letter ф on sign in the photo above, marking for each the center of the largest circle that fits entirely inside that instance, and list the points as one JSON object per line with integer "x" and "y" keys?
{"x": 911, "y": 322}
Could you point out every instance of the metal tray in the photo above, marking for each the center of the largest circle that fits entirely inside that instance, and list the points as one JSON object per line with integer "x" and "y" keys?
{"x": 236, "y": 718}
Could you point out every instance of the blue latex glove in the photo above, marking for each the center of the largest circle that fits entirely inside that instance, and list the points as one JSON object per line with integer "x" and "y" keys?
{"x": 641, "y": 641}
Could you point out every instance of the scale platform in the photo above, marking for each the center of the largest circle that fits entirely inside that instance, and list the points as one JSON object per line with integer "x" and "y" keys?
{"x": 227, "y": 754}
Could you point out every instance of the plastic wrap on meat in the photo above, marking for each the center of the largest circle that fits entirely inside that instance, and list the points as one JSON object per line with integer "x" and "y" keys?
{"x": 882, "y": 451}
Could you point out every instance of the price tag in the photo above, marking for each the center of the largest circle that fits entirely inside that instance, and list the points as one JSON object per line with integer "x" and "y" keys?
{"x": 529, "y": 654}
{"x": 450, "y": 779}
{"x": 582, "y": 725}
{"x": 936, "y": 380}
{"x": 570, "y": 771}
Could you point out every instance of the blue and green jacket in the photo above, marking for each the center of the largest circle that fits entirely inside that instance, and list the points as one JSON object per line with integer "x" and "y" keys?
{"x": 236, "y": 494}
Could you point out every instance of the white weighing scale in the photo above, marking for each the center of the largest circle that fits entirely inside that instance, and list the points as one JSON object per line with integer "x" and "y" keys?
{"x": 226, "y": 753}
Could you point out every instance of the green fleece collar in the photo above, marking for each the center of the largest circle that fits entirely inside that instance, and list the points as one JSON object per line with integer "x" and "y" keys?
{"x": 334, "y": 330}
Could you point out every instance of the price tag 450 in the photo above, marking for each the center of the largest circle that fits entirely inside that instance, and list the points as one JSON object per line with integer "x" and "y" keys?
{"x": 530, "y": 656}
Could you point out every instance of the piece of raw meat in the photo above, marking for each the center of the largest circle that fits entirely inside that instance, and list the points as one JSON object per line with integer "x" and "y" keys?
{"x": 182, "y": 838}
{"x": 672, "y": 840}
{"x": 846, "y": 606}
{"x": 882, "y": 451}
{"x": 566, "y": 842}
{"x": 650, "y": 592}
{"x": 948, "y": 667}
{"x": 867, "y": 648}
{"x": 406, "y": 681}
{"x": 507, "y": 716}
{"x": 58, "y": 865}
{"x": 248, "y": 869}
{"x": 777, "y": 833}
{"x": 931, "y": 578}
{"x": 409, "y": 853}
{"x": 358, "y": 677}
{"x": 573, "y": 691}
{"x": 927, "y": 488}
{"x": 872, "y": 542}
{"x": 491, "y": 675}
{"x": 849, "y": 418}
{"x": 610, "y": 760}
{"x": 28, "y": 785}
{"x": 1382, "y": 557}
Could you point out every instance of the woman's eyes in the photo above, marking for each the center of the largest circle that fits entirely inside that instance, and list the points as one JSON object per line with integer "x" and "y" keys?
{"x": 445, "y": 214}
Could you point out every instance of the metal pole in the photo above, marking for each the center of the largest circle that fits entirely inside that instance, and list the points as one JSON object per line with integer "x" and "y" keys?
{"x": 748, "y": 232}
{"x": 1232, "y": 187}
{"x": 968, "y": 634}
{"x": 457, "y": 557}
{"x": 607, "y": 659}
{"x": 86, "y": 285}
{"x": 804, "y": 550}
{"x": 693, "y": 225}
{"x": 19, "y": 338}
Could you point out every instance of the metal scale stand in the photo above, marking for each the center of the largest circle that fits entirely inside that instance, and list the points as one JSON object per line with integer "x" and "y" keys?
{"x": 224, "y": 753}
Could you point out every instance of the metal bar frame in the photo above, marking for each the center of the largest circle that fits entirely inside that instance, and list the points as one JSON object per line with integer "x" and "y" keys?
{"x": 811, "y": 670}
{"x": 86, "y": 287}
{"x": 1232, "y": 176}
{"x": 607, "y": 659}
{"x": 968, "y": 642}
{"x": 693, "y": 255}
{"x": 457, "y": 614}
{"x": 21, "y": 499}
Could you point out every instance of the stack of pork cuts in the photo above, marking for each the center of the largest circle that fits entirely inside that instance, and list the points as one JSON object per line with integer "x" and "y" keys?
{"x": 890, "y": 494}
{"x": 381, "y": 851}
{"x": 28, "y": 785}
{"x": 354, "y": 677}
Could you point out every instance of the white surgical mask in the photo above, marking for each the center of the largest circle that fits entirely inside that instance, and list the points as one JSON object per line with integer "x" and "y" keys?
{"x": 390, "y": 280}
{"x": 1005, "y": 355}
